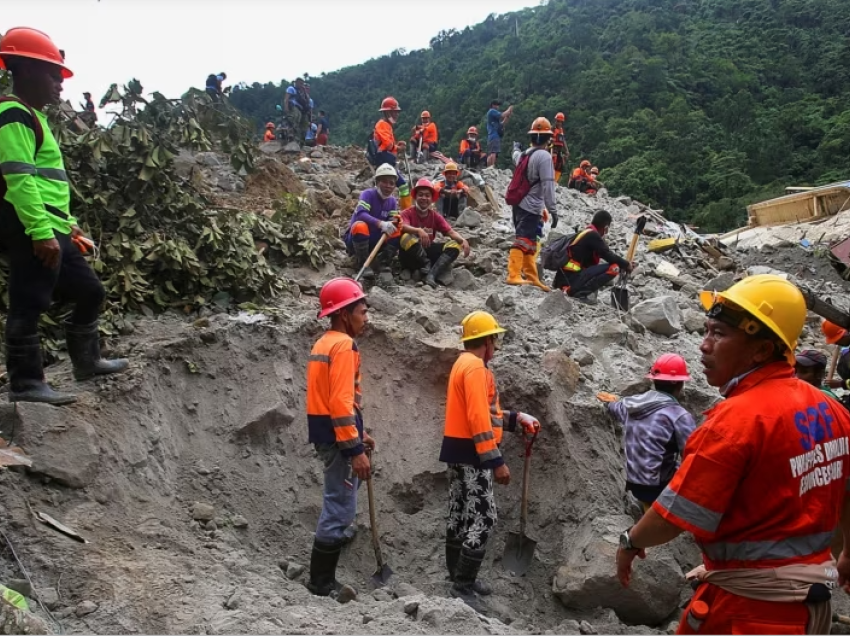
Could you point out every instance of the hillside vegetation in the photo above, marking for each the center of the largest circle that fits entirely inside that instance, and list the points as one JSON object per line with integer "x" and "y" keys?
{"x": 697, "y": 106}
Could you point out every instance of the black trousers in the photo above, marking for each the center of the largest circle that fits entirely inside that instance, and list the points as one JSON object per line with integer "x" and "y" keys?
{"x": 32, "y": 285}
{"x": 586, "y": 281}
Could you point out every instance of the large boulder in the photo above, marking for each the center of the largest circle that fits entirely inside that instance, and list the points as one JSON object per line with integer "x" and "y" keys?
{"x": 588, "y": 578}
{"x": 659, "y": 315}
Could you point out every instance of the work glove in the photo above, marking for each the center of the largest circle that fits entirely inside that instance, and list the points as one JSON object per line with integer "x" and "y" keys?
{"x": 530, "y": 425}
{"x": 554, "y": 216}
{"x": 387, "y": 227}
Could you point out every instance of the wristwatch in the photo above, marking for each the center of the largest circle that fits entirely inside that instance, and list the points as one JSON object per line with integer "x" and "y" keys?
{"x": 626, "y": 541}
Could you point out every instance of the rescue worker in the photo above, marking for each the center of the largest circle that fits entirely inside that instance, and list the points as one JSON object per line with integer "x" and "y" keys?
{"x": 840, "y": 338}
{"x": 452, "y": 194}
{"x": 88, "y": 104}
{"x": 424, "y": 139}
{"x": 214, "y": 83}
{"x": 560, "y": 151}
{"x": 387, "y": 148}
{"x": 376, "y": 213}
{"x": 580, "y": 178}
{"x": 527, "y": 215}
{"x": 269, "y": 134}
{"x": 297, "y": 105}
{"x": 584, "y": 274}
{"x": 763, "y": 479}
{"x": 594, "y": 183}
{"x": 470, "y": 149}
{"x": 335, "y": 424}
{"x": 40, "y": 237}
{"x": 420, "y": 251}
{"x": 656, "y": 428}
{"x": 496, "y": 122}
{"x": 810, "y": 367}
{"x": 473, "y": 431}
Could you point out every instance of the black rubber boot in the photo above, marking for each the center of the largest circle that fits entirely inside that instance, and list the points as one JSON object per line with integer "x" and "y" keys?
{"x": 323, "y": 563}
{"x": 361, "y": 253}
{"x": 84, "y": 349}
{"x": 386, "y": 257}
{"x": 442, "y": 265}
{"x": 453, "y": 548}
{"x": 466, "y": 573}
{"x": 25, "y": 365}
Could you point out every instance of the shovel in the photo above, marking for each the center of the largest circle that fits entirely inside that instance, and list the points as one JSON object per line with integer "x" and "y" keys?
{"x": 620, "y": 293}
{"x": 833, "y": 364}
{"x": 384, "y": 572}
{"x": 519, "y": 549}
{"x": 369, "y": 260}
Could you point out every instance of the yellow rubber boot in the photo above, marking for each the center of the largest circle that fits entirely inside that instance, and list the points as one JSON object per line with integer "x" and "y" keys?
{"x": 515, "y": 261}
{"x": 529, "y": 268}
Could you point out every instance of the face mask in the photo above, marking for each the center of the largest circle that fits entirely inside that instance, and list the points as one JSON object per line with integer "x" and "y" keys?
{"x": 392, "y": 119}
{"x": 422, "y": 209}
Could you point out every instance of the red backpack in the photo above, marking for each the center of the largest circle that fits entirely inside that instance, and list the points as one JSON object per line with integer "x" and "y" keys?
{"x": 520, "y": 186}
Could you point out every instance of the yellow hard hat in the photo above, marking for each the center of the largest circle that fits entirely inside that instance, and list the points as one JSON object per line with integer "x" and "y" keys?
{"x": 772, "y": 301}
{"x": 451, "y": 166}
{"x": 479, "y": 324}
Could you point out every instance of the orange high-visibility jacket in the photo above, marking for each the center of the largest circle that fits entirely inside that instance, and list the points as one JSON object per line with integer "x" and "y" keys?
{"x": 384, "y": 136}
{"x": 762, "y": 481}
{"x": 474, "y": 418}
{"x": 466, "y": 145}
{"x": 558, "y": 137}
{"x": 429, "y": 134}
{"x": 333, "y": 393}
{"x": 269, "y": 136}
{"x": 439, "y": 186}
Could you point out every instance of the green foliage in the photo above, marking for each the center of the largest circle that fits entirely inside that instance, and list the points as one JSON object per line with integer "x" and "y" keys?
{"x": 696, "y": 106}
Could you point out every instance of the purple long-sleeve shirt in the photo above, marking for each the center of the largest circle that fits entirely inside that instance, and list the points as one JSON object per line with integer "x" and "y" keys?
{"x": 372, "y": 209}
{"x": 656, "y": 430}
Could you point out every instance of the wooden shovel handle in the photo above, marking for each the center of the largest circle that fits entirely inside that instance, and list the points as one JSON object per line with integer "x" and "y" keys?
{"x": 833, "y": 363}
{"x": 369, "y": 260}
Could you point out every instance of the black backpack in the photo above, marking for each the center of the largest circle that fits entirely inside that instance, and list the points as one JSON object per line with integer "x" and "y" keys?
{"x": 372, "y": 151}
{"x": 556, "y": 254}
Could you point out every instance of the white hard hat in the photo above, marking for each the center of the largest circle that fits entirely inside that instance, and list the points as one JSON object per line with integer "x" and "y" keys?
{"x": 385, "y": 170}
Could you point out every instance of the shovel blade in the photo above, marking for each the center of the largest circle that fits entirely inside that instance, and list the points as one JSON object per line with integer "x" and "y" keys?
{"x": 519, "y": 552}
{"x": 382, "y": 575}
{"x": 620, "y": 298}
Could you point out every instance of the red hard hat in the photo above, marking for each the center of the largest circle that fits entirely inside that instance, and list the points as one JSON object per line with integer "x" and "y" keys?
{"x": 32, "y": 44}
{"x": 472, "y": 131}
{"x": 270, "y": 125}
{"x": 560, "y": 117}
{"x": 338, "y": 293}
{"x": 833, "y": 332}
{"x": 425, "y": 115}
{"x": 584, "y": 164}
{"x": 670, "y": 367}
{"x": 425, "y": 183}
{"x": 390, "y": 103}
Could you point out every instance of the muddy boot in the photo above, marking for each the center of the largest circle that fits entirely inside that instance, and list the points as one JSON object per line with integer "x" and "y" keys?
{"x": 443, "y": 263}
{"x": 453, "y": 548}
{"x": 25, "y": 364}
{"x": 361, "y": 253}
{"x": 323, "y": 563}
{"x": 417, "y": 252}
{"x": 84, "y": 349}
{"x": 587, "y": 298}
{"x": 466, "y": 574}
{"x": 386, "y": 257}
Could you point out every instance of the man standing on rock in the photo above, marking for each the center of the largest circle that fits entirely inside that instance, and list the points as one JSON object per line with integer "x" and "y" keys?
{"x": 335, "y": 423}
{"x": 496, "y": 122}
{"x": 376, "y": 213}
{"x": 763, "y": 482}
{"x": 473, "y": 431}
{"x": 419, "y": 247}
{"x": 39, "y": 235}
{"x": 298, "y": 105}
{"x": 387, "y": 148}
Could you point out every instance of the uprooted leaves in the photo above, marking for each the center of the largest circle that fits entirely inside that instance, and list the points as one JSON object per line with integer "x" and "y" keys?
{"x": 161, "y": 243}
{"x": 12, "y": 455}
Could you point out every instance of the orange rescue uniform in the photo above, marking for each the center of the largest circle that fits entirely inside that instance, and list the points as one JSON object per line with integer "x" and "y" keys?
{"x": 429, "y": 134}
{"x": 334, "y": 399}
{"x": 385, "y": 137}
{"x": 459, "y": 186}
{"x": 269, "y": 136}
{"x": 761, "y": 485}
{"x": 466, "y": 145}
{"x": 474, "y": 419}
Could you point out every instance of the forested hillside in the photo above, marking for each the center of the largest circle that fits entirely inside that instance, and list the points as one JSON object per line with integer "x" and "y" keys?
{"x": 696, "y": 106}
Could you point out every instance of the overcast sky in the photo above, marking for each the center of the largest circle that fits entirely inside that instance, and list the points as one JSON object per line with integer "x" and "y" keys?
{"x": 172, "y": 45}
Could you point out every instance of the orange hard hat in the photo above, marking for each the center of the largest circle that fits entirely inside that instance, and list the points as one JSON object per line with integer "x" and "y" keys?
{"x": 832, "y": 332}
{"x": 338, "y": 293}
{"x": 390, "y": 103}
{"x": 425, "y": 183}
{"x": 541, "y": 125}
{"x": 472, "y": 131}
{"x": 32, "y": 44}
{"x": 270, "y": 125}
{"x": 560, "y": 117}
{"x": 425, "y": 115}
{"x": 584, "y": 163}
{"x": 451, "y": 166}
{"x": 669, "y": 367}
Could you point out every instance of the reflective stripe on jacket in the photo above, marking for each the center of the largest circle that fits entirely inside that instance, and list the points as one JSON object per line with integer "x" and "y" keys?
{"x": 334, "y": 399}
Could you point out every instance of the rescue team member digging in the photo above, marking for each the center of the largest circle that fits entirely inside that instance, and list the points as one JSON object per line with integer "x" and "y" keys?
{"x": 334, "y": 402}
{"x": 39, "y": 235}
{"x": 656, "y": 428}
{"x": 419, "y": 248}
{"x": 376, "y": 213}
{"x": 763, "y": 480}
{"x": 473, "y": 431}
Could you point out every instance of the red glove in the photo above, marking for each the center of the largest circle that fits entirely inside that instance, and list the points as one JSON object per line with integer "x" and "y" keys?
{"x": 529, "y": 423}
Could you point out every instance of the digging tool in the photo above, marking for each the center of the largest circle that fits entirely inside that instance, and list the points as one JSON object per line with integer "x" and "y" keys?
{"x": 826, "y": 310}
{"x": 833, "y": 364}
{"x": 519, "y": 549}
{"x": 419, "y": 151}
{"x": 374, "y": 253}
{"x": 620, "y": 293}
{"x": 384, "y": 572}
{"x": 839, "y": 618}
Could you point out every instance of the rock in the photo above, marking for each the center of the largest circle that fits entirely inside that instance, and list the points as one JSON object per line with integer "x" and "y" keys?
{"x": 432, "y": 617}
{"x": 85, "y": 607}
{"x": 61, "y": 445}
{"x": 586, "y": 628}
{"x": 587, "y": 580}
{"x": 386, "y": 279}
{"x": 267, "y": 422}
{"x": 411, "y": 607}
{"x": 211, "y": 525}
{"x": 232, "y": 601}
{"x": 338, "y": 186}
{"x": 755, "y": 270}
{"x": 317, "y": 154}
{"x": 294, "y": 570}
{"x": 203, "y": 511}
{"x": 494, "y": 302}
{"x": 564, "y": 371}
{"x": 463, "y": 279}
{"x": 240, "y": 522}
{"x": 428, "y": 324}
{"x": 694, "y": 322}
{"x": 673, "y": 627}
{"x": 283, "y": 564}
{"x": 721, "y": 283}
{"x": 568, "y": 627}
{"x": 293, "y": 147}
{"x": 724, "y": 263}
{"x": 405, "y": 589}
{"x": 612, "y": 330}
{"x": 270, "y": 147}
{"x": 382, "y": 595}
{"x": 554, "y": 305}
{"x": 49, "y": 597}
{"x": 659, "y": 315}
{"x": 583, "y": 357}
{"x": 346, "y": 594}
{"x": 382, "y": 301}
{"x": 468, "y": 218}
{"x": 208, "y": 159}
